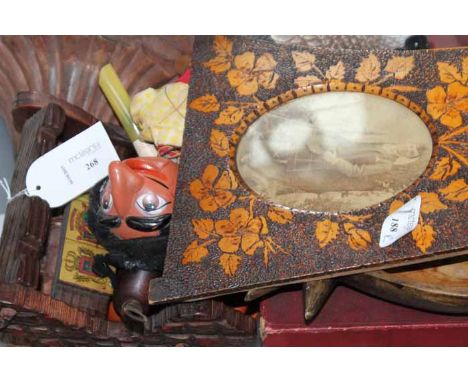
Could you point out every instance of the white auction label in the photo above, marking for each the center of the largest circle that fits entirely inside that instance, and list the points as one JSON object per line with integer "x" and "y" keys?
{"x": 72, "y": 168}
{"x": 399, "y": 223}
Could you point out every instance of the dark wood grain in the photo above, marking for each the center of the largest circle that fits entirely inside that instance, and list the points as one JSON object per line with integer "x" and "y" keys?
{"x": 67, "y": 67}
{"x": 27, "y": 219}
{"x": 437, "y": 287}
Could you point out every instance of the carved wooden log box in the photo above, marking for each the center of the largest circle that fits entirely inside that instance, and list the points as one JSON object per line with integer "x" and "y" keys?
{"x": 51, "y": 82}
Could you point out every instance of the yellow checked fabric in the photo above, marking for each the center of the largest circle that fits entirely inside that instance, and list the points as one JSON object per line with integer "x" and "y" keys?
{"x": 160, "y": 113}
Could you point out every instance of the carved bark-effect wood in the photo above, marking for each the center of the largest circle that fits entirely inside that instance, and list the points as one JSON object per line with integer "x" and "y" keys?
{"x": 27, "y": 219}
{"x": 67, "y": 67}
{"x": 42, "y": 321}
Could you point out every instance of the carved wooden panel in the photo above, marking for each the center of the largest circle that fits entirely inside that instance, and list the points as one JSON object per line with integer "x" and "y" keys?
{"x": 29, "y": 318}
{"x": 67, "y": 67}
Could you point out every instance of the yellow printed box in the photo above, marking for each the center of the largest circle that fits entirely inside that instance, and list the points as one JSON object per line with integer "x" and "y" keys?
{"x": 79, "y": 249}
{"x": 77, "y": 228}
{"x": 76, "y": 267}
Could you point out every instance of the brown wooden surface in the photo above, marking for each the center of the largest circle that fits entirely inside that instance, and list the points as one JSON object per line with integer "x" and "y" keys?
{"x": 67, "y": 67}
{"x": 27, "y": 219}
{"x": 197, "y": 266}
{"x": 30, "y": 318}
{"x": 28, "y": 103}
{"x": 440, "y": 287}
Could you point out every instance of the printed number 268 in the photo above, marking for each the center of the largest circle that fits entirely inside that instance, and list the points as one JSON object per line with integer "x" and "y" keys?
{"x": 92, "y": 164}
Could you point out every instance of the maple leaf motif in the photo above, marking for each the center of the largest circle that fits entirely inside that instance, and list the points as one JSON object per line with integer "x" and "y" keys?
{"x": 304, "y": 81}
{"x": 424, "y": 236}
{"x": 369, "y": 69}
{"x": 194, "y": 253}
{"x": 219, "y": 143}
{"x": 358, "y": 239}
{"x": 326, "y": 231}
{"x": 206, "y": 104}
{"x": 279, "y": 215}
{"x": 400, "y": 66}
{"x": 336, "y": 72}
{"x": 444, "y": 168}
{"x": 229, "y": 116}
{"x": 456, "y": 191}
{"x": 430, "y": 202}
{"x": 304, "y": 61}
{"x": 229, "y": 263}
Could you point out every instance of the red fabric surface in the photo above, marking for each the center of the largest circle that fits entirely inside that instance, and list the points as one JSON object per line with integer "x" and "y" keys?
{"x": 185, "y": 77}
{"x": 350, "y": 318}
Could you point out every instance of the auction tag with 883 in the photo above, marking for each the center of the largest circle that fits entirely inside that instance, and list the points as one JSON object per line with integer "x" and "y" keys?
{"x": 72, "y": 168}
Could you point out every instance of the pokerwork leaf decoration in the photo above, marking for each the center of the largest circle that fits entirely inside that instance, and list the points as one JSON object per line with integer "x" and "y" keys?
{"x": 219, "y": 143}
{"x": 449, "y": 72}
{"x": 445, "y": 167}
{"x": 400, "y": 66}
{"x": 229, "y": 116}
{"x": 194, "y": 253}
{"x": 356, "y": 218}
{"x": 327, "y": 231}
{"x": 206, "y": 104}
{"x": 231, "y": 113}
{"x": 223, "y": 60}
{"x": 280, "y": 215}
{"x": 222, "y": 46}
{"x": 396, "y": 69}
{"x": 244, "y": 72}
{"x": 212, "y": 190}
{"x": 448, "y": 104}
{"x": 249, "y": 73}
{"x": 423, "y": 235}
{"x": 304, "y": 61}
{"x": 369, "y": 69}
{"x": 219, "y": 64}
{"x": 307, "y": 80}
{"x": 229, "y": 262}
{"x": 430, "y": 202}
{"x": 357, "y": 238}
{"x": 336, "y": 72}
{"x": 456, "y": 149}
{"x": 456, "y": 191}
{"x": 242, "y": 233}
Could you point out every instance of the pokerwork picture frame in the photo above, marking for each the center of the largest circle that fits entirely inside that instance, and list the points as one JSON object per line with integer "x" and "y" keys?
{"x": 225, "y": 238}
